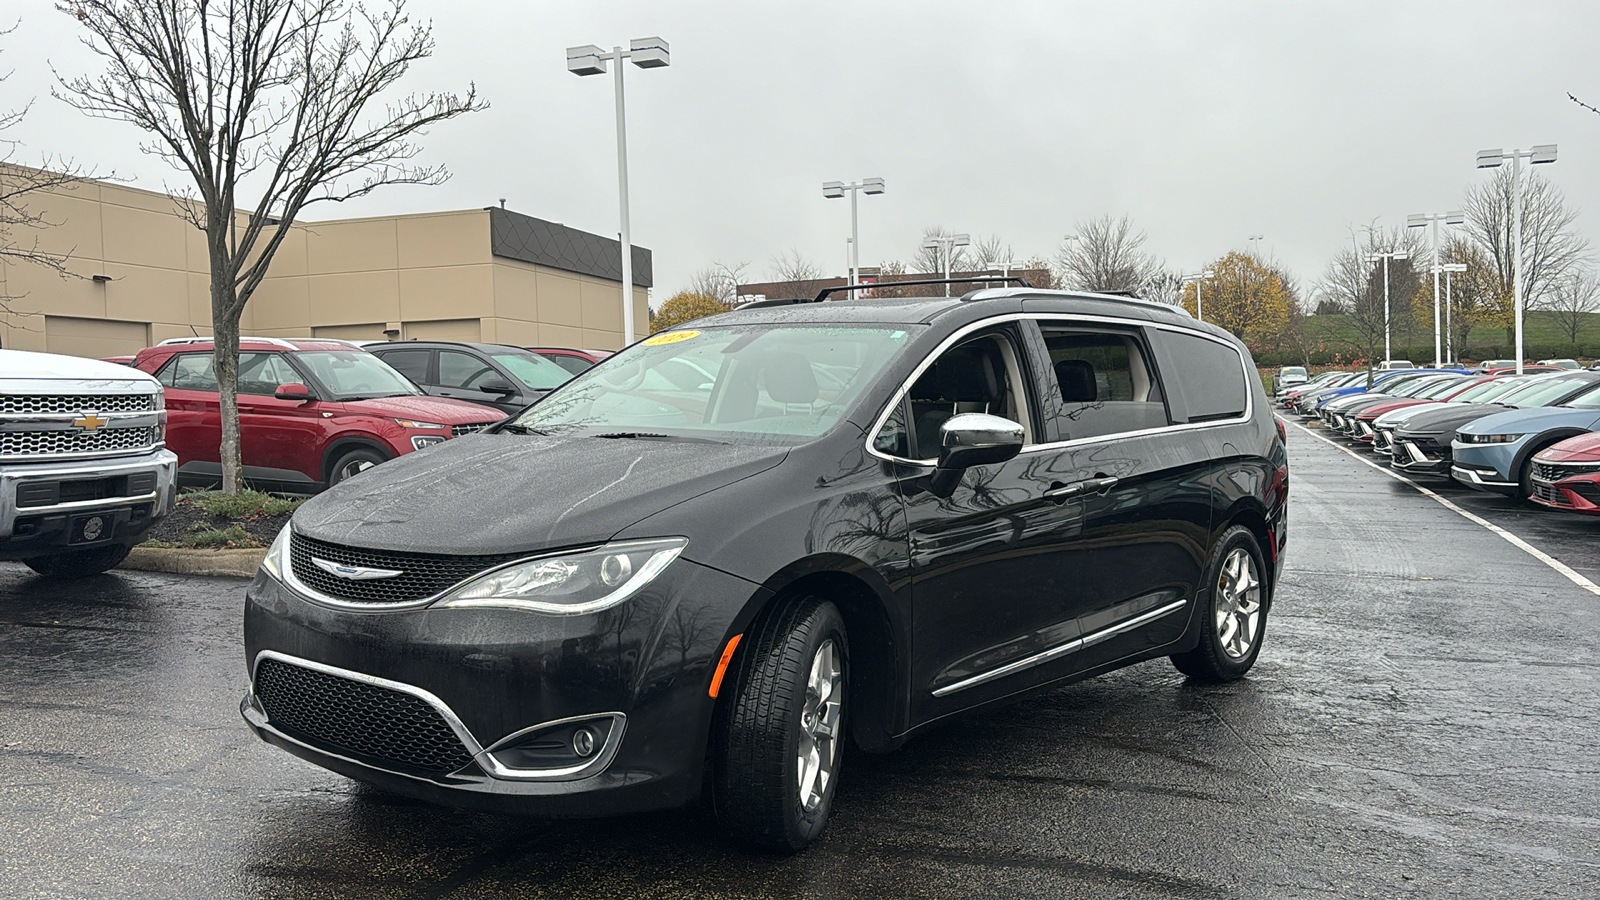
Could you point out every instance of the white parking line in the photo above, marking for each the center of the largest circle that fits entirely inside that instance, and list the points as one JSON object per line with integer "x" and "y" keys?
{"x": 1515, "y": 541}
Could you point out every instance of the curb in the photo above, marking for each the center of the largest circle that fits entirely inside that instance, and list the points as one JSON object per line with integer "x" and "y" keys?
{"x": 230, "y": 563}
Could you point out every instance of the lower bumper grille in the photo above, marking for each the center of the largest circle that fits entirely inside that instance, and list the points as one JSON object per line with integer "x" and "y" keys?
{"x": 1549, "y": 493}
{"x": 343, "y": 715}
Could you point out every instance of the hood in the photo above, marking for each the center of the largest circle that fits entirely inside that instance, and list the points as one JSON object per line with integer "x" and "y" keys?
{"x": 503, "y": 493}
{"x": 1448, "y": 417}
{"x": 1530, "y": 421}
{"x": 23, "y": 364}
{"x": 1392, "y": 405}
{"x": 441, "y": 410}
{"x": 1583, "y": 448}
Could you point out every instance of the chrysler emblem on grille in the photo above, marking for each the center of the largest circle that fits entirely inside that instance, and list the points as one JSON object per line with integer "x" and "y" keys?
{"x": 354, "y": 573}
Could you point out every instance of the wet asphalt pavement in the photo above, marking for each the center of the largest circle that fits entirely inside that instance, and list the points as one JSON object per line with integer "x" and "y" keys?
{"x": 1421, "y": 723}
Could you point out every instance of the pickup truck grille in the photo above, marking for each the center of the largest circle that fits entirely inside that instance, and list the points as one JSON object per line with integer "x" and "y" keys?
{"x": 74, "y": 404}
{"x": 66, "y": 443}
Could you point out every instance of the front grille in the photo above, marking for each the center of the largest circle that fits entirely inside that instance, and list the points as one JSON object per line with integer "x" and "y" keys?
{"x": 469, "y": 428}
{"x": 421, "y": 574}
{"x": 58, "y": 404}
{"x": 1558, "y": 471}
{"x": 66, "y": 443}
{"x": 342, "y": 714}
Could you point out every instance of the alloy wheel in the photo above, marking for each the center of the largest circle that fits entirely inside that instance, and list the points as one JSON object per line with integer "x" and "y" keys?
{"x": 354, "y": 467}
{"x": 818, "y": 751}
{"x": 1238, "y": 608}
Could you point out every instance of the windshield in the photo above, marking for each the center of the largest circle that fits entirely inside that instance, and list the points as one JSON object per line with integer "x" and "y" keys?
{"x": 1411, "y": 387}
{"x": 1490, "y": 389}
{"x": 354, "y": 375}
{"x": 534, "y": 372}
{"x": 1543, "y": 392}
{"x": 1439, "y": 388}
{"x": 1292, "y": 370}
{"x": 767, "y": 381}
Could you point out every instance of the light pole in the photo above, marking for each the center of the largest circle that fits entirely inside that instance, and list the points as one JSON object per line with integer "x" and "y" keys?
{"x": 1449, "y": 331}
{"x": 1491, "y": 159}
{"x": 1255, "y": 245}
{"x": 833, "y": 190}
{"x": 1197, "y": 278}
{"x": 646, "y": 53}
{"x": 1420, "y": 220}
{"x": 1372, "y": 258}
{"x": 946, "y": 245}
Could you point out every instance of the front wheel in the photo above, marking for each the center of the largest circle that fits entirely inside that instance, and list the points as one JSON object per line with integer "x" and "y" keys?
{"x": 354, "y": 462}
{"x": 1235, "y": 621}
{"x": 79, "y": 563}
{"x": 782, "y": 737}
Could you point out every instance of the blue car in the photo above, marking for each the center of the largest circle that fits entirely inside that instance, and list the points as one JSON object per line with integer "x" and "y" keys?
{"x": 1495, "y": 453}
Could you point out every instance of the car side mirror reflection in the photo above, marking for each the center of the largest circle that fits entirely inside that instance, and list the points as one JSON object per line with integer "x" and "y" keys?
{"x": 972, "y": 439}
{"x": 292, "y": 391}
{"x": 496, "y": 386}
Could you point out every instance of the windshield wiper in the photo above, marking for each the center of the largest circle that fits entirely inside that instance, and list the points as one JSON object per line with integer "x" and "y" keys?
{"x": 522, "y": 429}
{"x": 643, "y": 436}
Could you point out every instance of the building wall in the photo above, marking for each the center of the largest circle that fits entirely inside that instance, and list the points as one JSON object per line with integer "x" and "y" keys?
{"x": 424, "y": 276}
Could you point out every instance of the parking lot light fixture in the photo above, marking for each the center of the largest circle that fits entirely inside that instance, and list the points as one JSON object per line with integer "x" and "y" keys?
{"x": 1197, "y": 278}
{"x": 1385, "y": 257}
{"x": 1448, "y": 269}
{"x": 1422, "y": 220}
{"x": 588, "y": 59}
{"x": 946, "y": 245}
{"x": 1539, "y": 154}
{"x": 834, "y": 190}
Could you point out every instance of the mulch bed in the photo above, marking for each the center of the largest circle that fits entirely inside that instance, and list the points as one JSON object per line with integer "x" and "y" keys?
{"x": 188, "y": 518}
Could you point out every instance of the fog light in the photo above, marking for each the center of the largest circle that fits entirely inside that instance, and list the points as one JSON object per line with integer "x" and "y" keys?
{"x": 583, "y": 742}
{"x": 615, "y": 569}
{"x": 425, "y": 440}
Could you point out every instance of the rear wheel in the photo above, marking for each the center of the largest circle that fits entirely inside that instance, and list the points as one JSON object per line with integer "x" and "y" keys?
{"x": 354, "y": 462}
{"x": 79, "y": 563}
{"x": 1235, "y": 620}
{"x": 782, "y": 737}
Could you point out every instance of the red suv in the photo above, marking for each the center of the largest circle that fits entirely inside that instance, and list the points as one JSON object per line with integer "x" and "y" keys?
{"x": 311, "y": 412}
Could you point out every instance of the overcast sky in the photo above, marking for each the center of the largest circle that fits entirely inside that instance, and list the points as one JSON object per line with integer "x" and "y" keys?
{"x": 1204, "y": 121}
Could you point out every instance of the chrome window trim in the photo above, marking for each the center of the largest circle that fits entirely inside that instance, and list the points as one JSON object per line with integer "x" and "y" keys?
{"x": 479, "y": 752}
{"x": 963, "y": 331}
{"x": 1060, "y": 650}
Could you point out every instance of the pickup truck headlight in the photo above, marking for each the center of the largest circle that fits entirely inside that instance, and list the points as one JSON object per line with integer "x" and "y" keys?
{"x": 570, "y": 584}
{"x": 277, "y": 558}
{"x": 1491, "y": 438}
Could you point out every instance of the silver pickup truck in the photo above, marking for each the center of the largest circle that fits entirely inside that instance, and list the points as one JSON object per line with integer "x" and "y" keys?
{"x": 84, "y": 469}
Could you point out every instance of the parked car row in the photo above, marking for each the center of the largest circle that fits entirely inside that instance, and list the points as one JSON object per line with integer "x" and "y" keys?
{"x": 1530, "y": 436}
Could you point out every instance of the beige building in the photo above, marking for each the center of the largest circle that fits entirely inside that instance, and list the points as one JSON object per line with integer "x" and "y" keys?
{"x": 474, "y": 275}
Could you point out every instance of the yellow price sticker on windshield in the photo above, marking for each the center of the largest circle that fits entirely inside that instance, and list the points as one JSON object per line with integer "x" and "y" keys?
{"x": 670, "y": 337}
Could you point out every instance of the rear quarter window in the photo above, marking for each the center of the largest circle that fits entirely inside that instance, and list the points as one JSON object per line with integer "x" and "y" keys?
{"x": 1209, "y": 374}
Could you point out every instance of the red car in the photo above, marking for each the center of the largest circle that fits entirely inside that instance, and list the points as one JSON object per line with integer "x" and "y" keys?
{"x": 575, "y": 361}
{"x": 311, "y": 413}
{"x": 1566, "y": 475}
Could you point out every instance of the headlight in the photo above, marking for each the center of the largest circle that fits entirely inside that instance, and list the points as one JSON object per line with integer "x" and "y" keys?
{"x": 570, "y": 584}
{"x": 1491, "y": 438}
{"x": 277, "y": 558}
{"x": 412, "y": 423}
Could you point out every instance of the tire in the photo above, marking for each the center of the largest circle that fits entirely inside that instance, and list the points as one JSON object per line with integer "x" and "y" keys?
{"x": 353, "y": 462}
{"x": 79, "y": 563}
{"x": 789, "y": 697}
{"x": 1234, "y": 622}
{"x": 1525, "y": 479}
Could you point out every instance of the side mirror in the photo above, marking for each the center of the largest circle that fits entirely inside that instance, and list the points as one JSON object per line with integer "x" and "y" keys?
{"x": 972, "y": 439}
{"x": 292, "y": 392}
{"x": 496, "y": 386}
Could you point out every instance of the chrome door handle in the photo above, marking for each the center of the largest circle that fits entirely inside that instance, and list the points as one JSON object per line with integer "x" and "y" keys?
{"x": 1100, "y": 485}
{"x": 1086, "y": 486}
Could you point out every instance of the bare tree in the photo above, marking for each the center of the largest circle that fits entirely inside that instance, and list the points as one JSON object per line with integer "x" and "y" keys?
{"x": 720, "y": 280}
{"x": 1551, "y": 247}
{"x": 267, "y": 99}
{"x": 990, "y": 253}
{"x": 1573, "y": 300}
{"x": 1349, "y": 285}
{"x": 1106, "y": 254}
{"x": 1163, "y": 286}
{"x": 796, "y": 275}
{"x": 931, "y": 261}
{"x": 20, "y": 222}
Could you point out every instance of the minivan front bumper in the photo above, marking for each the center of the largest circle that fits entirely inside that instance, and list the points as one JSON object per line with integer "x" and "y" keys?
{"x": 447, "y": 705}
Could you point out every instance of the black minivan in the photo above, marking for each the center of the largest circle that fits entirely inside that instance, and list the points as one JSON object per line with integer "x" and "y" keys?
{"x": 862, "y": 517}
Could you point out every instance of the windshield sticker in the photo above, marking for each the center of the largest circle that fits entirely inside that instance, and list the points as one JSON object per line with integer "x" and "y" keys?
{"x": 670, "y": 337}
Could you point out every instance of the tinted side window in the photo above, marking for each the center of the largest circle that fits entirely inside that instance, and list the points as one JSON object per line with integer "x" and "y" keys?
{"x": 1105, "y": 385}
{"x": 462, "y": 370}
{"x": 189, "y": 372}
{"x": 577, "y": 365}
{"x": 413, "y": 364}
{"x": 261, "y": 373}
{"x": 1211, "y": 374}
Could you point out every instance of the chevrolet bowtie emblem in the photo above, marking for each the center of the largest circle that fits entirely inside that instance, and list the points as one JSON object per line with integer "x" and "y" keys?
{"x": 89, "y": 421}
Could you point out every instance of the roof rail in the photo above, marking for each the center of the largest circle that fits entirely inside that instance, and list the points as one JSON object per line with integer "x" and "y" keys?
{"x": 276, "y": 342}
{"x": 823, "y": 294}
{"x": 762, "y": 304}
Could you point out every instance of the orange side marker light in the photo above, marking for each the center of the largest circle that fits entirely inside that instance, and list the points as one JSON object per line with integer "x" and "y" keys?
{"x": 722, "y": 665}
